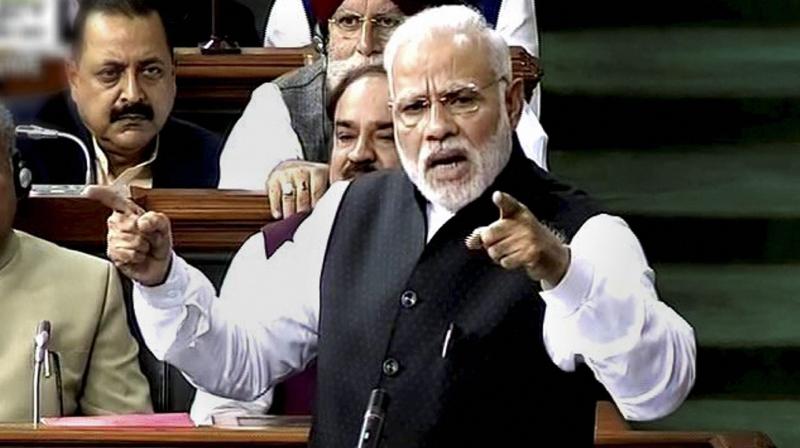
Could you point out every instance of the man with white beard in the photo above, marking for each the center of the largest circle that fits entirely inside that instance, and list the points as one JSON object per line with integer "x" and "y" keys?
{"x": 491, "y": 303}
{"x": 282, "y": 140}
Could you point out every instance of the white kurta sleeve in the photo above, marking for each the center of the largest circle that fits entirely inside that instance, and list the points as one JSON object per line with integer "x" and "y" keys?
{"x": 606, "y": 312}
{"x": 262, "y": 138}
{"x": 240, "y": 347}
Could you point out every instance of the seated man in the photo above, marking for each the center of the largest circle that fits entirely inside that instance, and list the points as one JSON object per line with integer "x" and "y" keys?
{"x": 472, "y": 298}
{"x": 285, "y": 120}
{"x": 93, "y": 355}
{"x": 363, "y": 141}
{"x": 122, "y": 88}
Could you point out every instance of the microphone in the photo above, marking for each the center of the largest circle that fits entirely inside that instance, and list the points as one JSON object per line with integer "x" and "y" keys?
{"x": 34, "y": 132}
{"x": 372, "y": 426}
{"x": 40, "y": 341}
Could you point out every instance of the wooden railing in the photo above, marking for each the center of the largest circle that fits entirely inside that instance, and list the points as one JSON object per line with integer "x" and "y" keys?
{"x": 201, "y": 219}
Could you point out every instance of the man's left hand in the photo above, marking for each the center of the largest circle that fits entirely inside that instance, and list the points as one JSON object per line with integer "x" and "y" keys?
{"x": 518, "y": 240}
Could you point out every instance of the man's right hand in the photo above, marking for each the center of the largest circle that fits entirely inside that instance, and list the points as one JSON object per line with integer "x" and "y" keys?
{"x": 295, "y": 186}
{"x": 139, "y": 242}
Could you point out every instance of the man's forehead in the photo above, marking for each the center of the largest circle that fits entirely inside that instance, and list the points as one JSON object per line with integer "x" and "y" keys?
{"x": 352, "y": 103}
{"x": 122, "y": 37}
{"x": 442, "y": 61}
{"x": 369, "y": 6}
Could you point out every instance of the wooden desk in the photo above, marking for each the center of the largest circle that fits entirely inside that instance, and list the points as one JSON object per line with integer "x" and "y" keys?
{"x": 201, "y": 219}
{"x": 613, "y": 436}
{"x": 220, "y": 82}
{"x": 27, "y": 436}
{"x": 612, "y": 431}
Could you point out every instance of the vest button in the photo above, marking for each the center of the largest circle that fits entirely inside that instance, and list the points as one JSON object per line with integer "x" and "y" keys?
{"x": 408, "y": 299}
{"x": 391, "y": 367}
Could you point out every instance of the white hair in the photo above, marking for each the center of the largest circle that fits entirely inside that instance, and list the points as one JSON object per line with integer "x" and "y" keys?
{"x": 460, "y": 22}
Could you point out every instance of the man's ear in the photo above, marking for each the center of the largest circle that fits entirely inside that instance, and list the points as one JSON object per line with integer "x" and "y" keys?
{"x": 71, "y": 69}
{"x": 515, "y": 101}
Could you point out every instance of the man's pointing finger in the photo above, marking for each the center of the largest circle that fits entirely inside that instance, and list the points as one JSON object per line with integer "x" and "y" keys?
{"x": 113, "y": 199}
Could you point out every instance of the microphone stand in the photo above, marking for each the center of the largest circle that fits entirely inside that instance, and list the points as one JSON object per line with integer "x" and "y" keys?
{"x": 39, "y": 133}
{"x": 37, "y": 379}
{"x": 217, "y": 44}
{"x": 40, "y": 356}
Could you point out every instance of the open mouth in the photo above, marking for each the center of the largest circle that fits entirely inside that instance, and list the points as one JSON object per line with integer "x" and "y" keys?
{"x": 449, "y": 164}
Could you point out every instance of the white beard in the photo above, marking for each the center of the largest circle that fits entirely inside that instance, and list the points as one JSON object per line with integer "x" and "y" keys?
{"x": 338, "y": 69}
{"x": 484, "y": 166}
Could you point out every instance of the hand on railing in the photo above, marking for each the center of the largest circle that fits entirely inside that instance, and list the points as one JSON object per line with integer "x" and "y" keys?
{"x": 295, "y": 186}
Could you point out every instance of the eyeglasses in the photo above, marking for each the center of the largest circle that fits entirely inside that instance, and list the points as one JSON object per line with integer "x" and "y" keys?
{"x": 350, "y": 23}
{"x": 460, "y": 101}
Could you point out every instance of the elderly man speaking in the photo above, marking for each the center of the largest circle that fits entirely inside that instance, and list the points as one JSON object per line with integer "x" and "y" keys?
{"x": 489, "y": 301}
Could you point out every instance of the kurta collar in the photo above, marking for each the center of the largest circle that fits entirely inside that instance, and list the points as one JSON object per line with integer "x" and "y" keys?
{"x": 8, "y": 249}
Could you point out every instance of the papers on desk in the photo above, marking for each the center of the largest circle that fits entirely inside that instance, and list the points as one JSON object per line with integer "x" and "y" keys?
{"x": 273, "y": 422}
{"x": 175, "y": 420}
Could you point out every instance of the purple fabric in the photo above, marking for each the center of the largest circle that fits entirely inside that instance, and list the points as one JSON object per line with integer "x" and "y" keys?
{"x": 278, "y": 232}
{"x": 295, "y": 395}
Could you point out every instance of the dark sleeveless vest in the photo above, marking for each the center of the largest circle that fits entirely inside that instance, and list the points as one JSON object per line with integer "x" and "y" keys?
{"x": 303, "y": 91}
{"x": 388, "y": 299}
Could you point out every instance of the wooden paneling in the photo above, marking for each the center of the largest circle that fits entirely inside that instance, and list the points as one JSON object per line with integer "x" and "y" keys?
{"x": 201, "y": 219}
{"x": 227, "y": 81}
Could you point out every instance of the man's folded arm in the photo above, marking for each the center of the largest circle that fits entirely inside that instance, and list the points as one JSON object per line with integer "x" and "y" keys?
{"x": 606, "y": 313}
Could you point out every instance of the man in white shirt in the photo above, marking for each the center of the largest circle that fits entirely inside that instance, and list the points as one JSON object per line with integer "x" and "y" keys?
{"x": 285, "y": 120}
{"x": 489, "y": 302}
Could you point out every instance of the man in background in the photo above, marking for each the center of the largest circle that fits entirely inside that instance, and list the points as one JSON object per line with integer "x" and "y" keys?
{"x": 121, "y": 92}
{"x": 92, "y": 353}
{"x": 363, "y": 141}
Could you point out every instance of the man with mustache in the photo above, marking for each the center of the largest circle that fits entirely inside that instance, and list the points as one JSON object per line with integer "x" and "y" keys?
{"x": 122, "y": 88}
{"x": 283, "y": 135}
{"x": 490, "y": 303}
{"x": 363, "y": 142}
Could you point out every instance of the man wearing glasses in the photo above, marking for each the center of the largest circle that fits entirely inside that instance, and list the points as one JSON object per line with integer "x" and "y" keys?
{"x": 490, "y": 304}
{"x": 283, "y": 138}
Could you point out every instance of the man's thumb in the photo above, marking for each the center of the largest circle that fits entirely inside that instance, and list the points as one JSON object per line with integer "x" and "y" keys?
{"x": 508, "y": 206}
